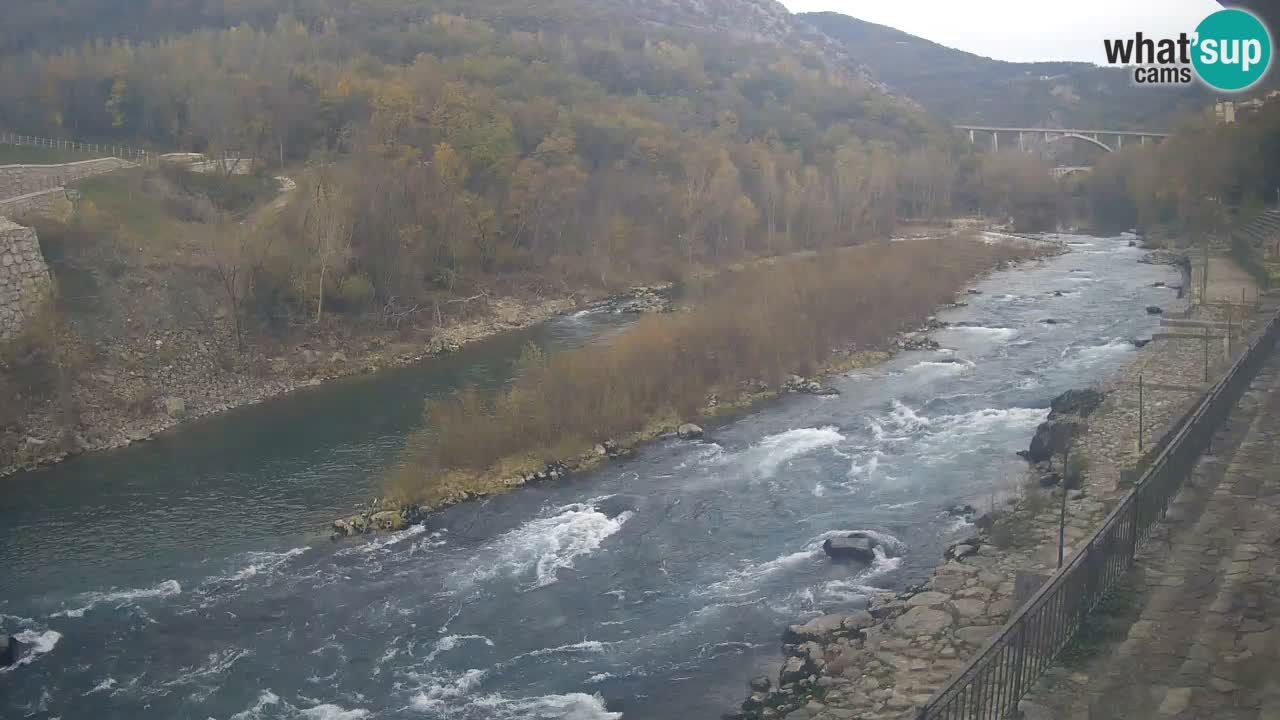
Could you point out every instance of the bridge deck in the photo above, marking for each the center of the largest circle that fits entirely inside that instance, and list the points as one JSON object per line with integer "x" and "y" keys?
{"x": 1061, "y": 131}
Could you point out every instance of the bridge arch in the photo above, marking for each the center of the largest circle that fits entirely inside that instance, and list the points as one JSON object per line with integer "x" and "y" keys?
{"x": 1086, "y": 138}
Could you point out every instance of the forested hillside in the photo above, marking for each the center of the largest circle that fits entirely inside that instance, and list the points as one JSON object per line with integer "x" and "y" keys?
{"x": 447, "y": 141}
{"x": 970, "y": 89}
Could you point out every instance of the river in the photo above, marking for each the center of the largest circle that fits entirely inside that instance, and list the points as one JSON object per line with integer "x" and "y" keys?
{"x": 189, "y": 577}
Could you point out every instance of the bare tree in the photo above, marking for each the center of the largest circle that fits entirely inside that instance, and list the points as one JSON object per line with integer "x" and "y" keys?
{"x": 237, "y": 250}
{"x": 327, "y": 223}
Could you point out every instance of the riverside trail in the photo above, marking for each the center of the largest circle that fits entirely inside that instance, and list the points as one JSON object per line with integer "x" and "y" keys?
{"x": 185, "y": 578}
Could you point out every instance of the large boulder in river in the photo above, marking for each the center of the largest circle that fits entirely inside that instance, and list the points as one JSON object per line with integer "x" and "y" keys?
{"x": 1076, "y": 402}
{"x": 854, "y": 546}
{"x": 8, "y": 651}
{"x": 1053, "y": 438}
{"x": 689, "y": 431}
{"x": 1062, "y": 426}
{"x": 387, "y": 520}
{"x": 824, "y": 629}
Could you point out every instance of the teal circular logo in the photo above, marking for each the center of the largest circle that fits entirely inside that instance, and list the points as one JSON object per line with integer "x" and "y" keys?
{"x": 1232, "y": 51}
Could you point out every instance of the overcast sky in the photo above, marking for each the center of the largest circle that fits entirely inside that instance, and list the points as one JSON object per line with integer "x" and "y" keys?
{"x": 1024, "y": 30}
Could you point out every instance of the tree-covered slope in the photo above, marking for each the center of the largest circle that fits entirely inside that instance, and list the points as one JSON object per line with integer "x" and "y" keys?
{"x": 970, "y": 89}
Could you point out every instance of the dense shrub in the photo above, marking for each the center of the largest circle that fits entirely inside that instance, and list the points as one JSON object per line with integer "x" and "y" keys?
{"x": 758, "y": 324}
{"x": 356, "y": 292}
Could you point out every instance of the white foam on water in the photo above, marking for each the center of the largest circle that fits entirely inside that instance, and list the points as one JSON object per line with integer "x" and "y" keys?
{"x": 571, "y": 706}
{"x": 41, "y": 642}
{"x": 122, "y": 598}
{"x": 260, "y": 562}
{"x": 441, "y": 692}
{"x": 1106, "y": 351}
{"x": 881, "y": 565}
{"x": 544, "y": 546}
{"x": 601, "y": 677}
{"x": 771, "y": 452}
{"x": 865, "y": 470}
{"x": 103, "y": 686}
{"x": 898, "y": 506}
{"x": 266, "y": 698}
{"x": 432, "y": 540}
{"x": 934, "y": 368}
{"x": 385, "y": 541}
{"x": 449, "y": 642}
{"x": 998, "y": 333}
{"x": 333, "y": 712}
{"x": 842, "y": 591}
{"x": 586, "y": 646}
{"x": 988, "y": 419}
{"x": 898, "y": 424}
{"x": 707, "y": 453}
{"x": 216, "y": 664}
{"x": 903, "y": 418}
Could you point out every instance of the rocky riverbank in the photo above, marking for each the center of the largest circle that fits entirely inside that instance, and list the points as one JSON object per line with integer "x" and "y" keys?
{"x": 141, "y": 386}
{"x": 888, "y": 660}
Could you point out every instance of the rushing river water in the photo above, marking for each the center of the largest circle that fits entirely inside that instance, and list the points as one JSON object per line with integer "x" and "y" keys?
{"x": 187, "y": 577}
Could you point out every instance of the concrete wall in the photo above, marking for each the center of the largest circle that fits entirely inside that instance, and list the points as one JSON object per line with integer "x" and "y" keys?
{"x": 18, "y": 180}
{"x": 24, "y": 277}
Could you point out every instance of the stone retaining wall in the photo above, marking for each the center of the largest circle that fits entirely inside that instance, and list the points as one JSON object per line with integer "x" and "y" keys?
{"x": 17, "y": 180}
{"x": 47, "y": 202}
{"x": 24, "y": 277}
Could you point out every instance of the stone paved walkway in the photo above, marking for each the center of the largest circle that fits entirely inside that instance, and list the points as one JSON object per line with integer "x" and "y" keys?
{"x": 1205, "y": 643}
{"x": 884, "y": 665}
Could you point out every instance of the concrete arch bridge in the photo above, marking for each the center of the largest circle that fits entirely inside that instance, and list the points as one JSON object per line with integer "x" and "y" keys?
{"x": 1108, "y": 140}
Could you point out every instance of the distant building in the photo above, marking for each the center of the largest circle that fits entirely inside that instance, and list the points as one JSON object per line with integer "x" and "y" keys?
{"x": 1254, "y": 105}
{"x": 1227, "y": 111}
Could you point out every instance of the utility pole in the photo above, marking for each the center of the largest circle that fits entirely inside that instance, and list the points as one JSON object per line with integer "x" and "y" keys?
{"x": 1230, "y": 334}
{"x": 1140, "y": 418}
{"x": 1206, "y": 355}
{"x": 1062, "y": 508}
{"x": 1204, "y": 272}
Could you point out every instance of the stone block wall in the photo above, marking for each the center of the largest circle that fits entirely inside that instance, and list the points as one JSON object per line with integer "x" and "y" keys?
{"x": 18, "y": 180}
{"x": 24, "y": 277}
{"x": 52, "y": 203}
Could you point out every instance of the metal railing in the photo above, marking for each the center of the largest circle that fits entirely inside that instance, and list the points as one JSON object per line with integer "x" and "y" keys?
{"x": 125, "y": 152}
{"x": 992, "y": 683}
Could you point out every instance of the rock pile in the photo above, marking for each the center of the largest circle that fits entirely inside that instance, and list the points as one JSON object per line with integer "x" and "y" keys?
{"x": 374, "y": 518}
{"x": 643, "y": 299}
{"x": 883, "y": 661}
{"x": 798, "y": 384}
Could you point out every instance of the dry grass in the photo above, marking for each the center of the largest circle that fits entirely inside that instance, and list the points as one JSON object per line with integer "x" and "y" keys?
{"x": 753, "y": 326}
